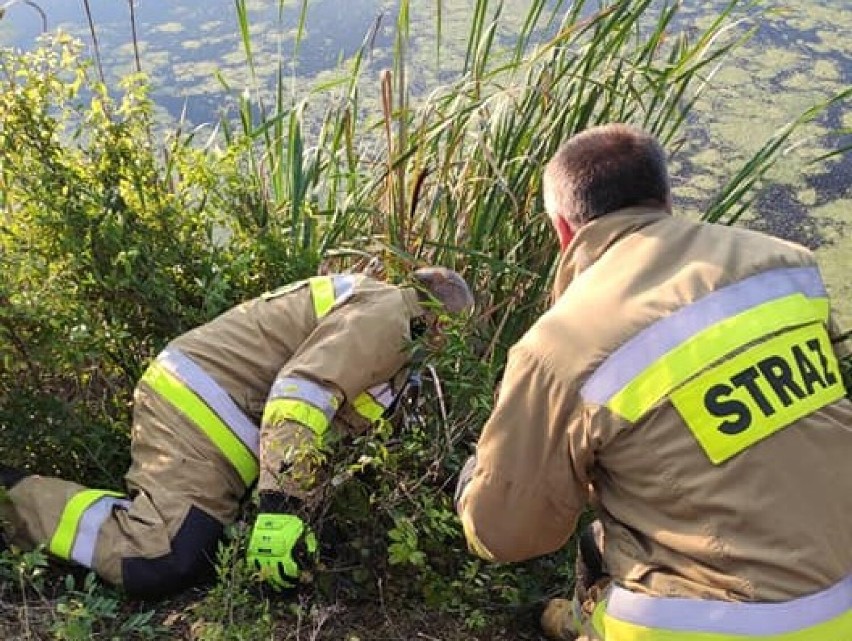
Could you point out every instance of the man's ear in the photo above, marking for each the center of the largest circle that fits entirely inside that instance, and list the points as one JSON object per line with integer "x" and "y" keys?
{"x": 563, "y": 231}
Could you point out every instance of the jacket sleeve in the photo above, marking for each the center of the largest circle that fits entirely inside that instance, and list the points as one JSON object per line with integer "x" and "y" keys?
{"x": 354, "y": 347}
{"x": 530, "y": 482}
{"x": 362, "y": 343}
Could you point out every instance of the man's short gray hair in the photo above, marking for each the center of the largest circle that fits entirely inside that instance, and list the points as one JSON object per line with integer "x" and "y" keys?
{"x": 604, "y": 169}
{"x": 445, "y": 286}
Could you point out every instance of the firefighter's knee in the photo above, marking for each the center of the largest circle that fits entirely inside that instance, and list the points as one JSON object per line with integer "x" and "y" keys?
{"x": 191, "y": 560}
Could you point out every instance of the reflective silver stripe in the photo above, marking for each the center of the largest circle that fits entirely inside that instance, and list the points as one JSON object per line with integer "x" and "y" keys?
{"x": 217, "y": 399}
{"x": 90, "y": 524}
{"x": 382, "y": 394}
{"x": 726, "y": 617}
{"x": 304, "y": 389}
{"x": 343, "y": 286}
{"x": 652, "y": 343}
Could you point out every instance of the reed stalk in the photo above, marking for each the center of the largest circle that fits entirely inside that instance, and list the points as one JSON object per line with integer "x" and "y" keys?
{"x": 456, "y": 179}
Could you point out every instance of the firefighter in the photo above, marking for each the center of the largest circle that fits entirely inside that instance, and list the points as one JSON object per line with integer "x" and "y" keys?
{"x": 253, "y": 397}
{"x": 685, "y": 385}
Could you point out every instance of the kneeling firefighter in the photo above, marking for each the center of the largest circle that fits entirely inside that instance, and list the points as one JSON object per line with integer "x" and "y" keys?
{"x": 686, "y": 386}
{"x": 251, "y": 397}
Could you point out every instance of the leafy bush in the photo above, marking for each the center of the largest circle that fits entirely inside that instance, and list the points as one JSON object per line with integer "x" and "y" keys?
{"x": 108, "y": 252}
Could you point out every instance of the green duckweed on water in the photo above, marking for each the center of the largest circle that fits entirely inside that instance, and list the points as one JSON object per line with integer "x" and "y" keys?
{"x": 796, "y": 59}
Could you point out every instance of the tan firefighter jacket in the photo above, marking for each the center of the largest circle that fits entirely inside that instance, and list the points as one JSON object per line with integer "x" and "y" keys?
{"x": 683, "y": 383}
{"x": 323, "y": 352}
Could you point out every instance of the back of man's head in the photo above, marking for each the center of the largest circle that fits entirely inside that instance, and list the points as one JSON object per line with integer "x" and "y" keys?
{"x": 604, "y": 169}
{"x": 446, "y": 287}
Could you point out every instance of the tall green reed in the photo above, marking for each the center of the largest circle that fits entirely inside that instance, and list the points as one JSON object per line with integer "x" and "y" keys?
{"x": 453, "y": 176}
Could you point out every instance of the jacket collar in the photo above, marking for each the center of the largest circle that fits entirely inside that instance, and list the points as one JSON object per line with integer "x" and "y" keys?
{"x": 595, "y": 238}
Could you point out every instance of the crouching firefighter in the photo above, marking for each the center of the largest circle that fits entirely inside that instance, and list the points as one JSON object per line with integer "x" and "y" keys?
{"x": 685, "y": 385}
{"x": 249, "y": 398}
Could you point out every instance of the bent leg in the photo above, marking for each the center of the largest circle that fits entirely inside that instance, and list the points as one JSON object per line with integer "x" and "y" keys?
{"x": 158, "y": 540}
{"x": 168, "y": 545}
{"x": 138, "y": 544}
{"x": 184, "y": 492}
{"x": 63, "y": 516}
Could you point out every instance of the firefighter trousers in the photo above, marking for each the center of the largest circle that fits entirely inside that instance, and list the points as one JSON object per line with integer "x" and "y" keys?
{"x": 158, "y": 538}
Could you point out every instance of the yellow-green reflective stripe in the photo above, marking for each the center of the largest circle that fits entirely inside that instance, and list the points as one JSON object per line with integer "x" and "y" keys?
{"x": 694, "y": 354}
{"x": 598, "y": 618}
{"x": 290, "y": 409}
{"x": 837, "y": 629}
{"x": 189, "y": 374}
{"x": 63, "y": 538}
{"x": 185, "y": 400}
{"x": 366, "y": 406}
{"x": 303, "y": 389}
{"x": 631, "y": 358}
{"x": 821, "y": 615}
{"x": 322, "y": 292}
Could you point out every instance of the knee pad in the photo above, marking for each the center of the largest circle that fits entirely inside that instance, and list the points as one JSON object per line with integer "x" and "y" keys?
{"x": 191, "y": 560}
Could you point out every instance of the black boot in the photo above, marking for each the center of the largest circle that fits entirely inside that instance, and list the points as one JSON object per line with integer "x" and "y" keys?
{"x": 10, "y": 476}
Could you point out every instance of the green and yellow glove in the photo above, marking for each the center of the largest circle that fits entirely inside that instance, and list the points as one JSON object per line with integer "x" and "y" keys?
{"x": 281, "y": 546}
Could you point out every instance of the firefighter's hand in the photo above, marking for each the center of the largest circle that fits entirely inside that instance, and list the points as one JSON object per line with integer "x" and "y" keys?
{"x": 281, "y": 548}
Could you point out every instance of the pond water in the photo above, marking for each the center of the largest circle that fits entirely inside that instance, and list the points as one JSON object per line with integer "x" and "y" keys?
{"x": 800, "y": 55}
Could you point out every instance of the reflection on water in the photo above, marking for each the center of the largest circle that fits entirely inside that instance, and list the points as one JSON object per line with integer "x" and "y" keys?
{"x": 799, "y": 56}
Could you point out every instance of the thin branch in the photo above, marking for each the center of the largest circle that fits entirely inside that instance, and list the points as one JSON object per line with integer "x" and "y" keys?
{"x": 132, "y": 4}
{"x": 88, "y": 9}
